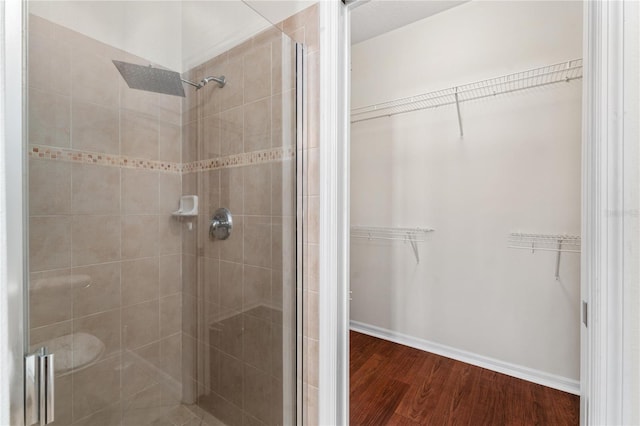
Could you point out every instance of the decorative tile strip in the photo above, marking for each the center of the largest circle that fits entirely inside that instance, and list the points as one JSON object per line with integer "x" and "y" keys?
{"x": 72, "y": 155}
{"x": 238, "y": 160}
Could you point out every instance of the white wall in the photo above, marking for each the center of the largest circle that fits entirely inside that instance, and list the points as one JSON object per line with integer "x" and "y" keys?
{"x": 517, "y": 169}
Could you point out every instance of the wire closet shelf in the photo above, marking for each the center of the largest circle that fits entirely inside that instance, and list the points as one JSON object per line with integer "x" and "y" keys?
{"x": 560, "y": 243}
{"x": 410, "y": 235}
{"x": 536, "y": 77}
{"x": 545, "y": 242}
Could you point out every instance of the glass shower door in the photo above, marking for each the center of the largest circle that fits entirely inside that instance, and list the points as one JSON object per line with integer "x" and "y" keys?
{"x": 242, "y": 332}
{"x": 104, "y": 249}
{"x": 150, "y": 319}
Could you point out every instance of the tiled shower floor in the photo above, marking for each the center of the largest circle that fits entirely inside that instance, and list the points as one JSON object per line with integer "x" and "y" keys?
{"x": 179, "y": 415}
{"x": 159, "y": 403}
{"x": 192, "y": 415}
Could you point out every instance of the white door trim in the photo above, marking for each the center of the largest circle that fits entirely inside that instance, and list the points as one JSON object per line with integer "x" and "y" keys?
{"x": 609, "y": 273}
{"x": 610, "y": 225}
{"x": 631, "y": 197}
{"x": 333, "y": 369}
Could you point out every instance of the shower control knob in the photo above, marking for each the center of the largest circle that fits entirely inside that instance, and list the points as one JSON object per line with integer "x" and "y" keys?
{"x": 221, "y": 224}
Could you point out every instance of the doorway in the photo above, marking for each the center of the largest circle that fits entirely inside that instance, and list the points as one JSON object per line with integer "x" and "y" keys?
{"x": 465, "y": 195}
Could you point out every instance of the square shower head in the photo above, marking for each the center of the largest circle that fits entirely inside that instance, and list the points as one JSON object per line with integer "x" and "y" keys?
{"x": 151, "y": 79}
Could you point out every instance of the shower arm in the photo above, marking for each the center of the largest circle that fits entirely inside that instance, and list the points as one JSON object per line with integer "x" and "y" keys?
{"x": 191, "y": 83}
{"x": 220, "y": 80}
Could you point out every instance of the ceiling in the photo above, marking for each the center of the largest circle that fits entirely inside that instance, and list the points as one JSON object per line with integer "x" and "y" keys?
{"x": 278, "y": 10}
{"x": 375, "y": 17}
{"x": 177, "y": 34}
{"x": 180, "y": 34}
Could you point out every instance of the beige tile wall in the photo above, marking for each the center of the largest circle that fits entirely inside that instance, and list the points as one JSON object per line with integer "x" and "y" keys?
{"x": 105, "y": 252}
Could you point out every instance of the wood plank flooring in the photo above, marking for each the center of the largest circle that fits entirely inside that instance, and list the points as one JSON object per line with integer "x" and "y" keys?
{"x": 393, "y": 384}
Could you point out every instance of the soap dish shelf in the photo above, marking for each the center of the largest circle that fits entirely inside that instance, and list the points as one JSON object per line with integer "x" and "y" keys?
{"x": 188, "y": 206}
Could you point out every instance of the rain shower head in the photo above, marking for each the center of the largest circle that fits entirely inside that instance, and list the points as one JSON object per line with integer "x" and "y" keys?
{"x": 159, "y": 80}
{"x": 151, "y": 79}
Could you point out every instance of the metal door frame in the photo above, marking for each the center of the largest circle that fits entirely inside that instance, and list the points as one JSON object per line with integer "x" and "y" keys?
{"x": 13, "y": 214}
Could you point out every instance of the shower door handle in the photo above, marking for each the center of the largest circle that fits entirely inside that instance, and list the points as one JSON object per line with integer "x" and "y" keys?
{"x": 39, "y": 388}
{"x": 47, "y": 389}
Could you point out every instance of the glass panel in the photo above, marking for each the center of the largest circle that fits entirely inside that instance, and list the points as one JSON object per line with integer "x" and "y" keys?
{"x": 151, "y": 319}
{"x": 244, "y": 288}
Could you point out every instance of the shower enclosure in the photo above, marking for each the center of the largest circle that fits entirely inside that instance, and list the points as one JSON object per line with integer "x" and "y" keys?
{"x": 146, "y": 122}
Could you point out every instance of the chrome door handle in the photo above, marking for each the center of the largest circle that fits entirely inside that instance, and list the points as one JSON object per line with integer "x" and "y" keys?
{"x": 39, "y": 388}
{"x": 47, "y": 389}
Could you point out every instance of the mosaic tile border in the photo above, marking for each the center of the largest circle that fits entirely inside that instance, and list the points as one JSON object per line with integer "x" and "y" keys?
{"x": 76, "y": 156}
{"x": 257, "y": 157}
{"x": 238, "y": 160}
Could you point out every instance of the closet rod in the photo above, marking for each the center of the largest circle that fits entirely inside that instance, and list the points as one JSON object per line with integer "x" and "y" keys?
{"x": 529, "y": 79}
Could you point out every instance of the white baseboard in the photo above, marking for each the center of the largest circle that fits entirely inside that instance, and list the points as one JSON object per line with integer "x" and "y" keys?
{"x": 518, "y": 371}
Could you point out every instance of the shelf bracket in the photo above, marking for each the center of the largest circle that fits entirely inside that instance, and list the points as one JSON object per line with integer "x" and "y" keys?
{"x": 558, "y": 260}
{"x": 414, "y": 246}
{"x": 459, "y": 115}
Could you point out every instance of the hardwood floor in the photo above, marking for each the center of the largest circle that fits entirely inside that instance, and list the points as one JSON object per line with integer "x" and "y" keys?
{"x": 393, "y": 384}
